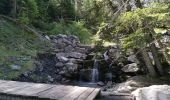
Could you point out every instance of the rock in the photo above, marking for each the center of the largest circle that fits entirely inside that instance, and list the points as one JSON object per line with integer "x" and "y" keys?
{"x": 47, "y": 37}
{"x": 71, "y": 67}
{"x": 68, "y": 49}
{"x": 106, "y": 57}
{"x": 100, "y": 83}
{"x": 59, "y": 64}
{"x": 155, "y": 92}
{"x": 75, "y": 55}
{"x": 130, "y": 68}
{"x": 61, "y": 72}
{"x": 150, "y": 55}
{"x": 50, "y": 78}
{"x": 81, "y": 50}
{"x": 109, "y": 76}
{"x": 109, "y": 83}
{"x": 132, "y": 58}
{"x": 15, "y": 67}
{"x": 130, "y": 85}
{"x": 62, "y": 59}
{"x": 86, "y": 74}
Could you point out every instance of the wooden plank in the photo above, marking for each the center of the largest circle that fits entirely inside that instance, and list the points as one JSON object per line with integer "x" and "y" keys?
{"x": 50, "y": 92}
{"x": 19, "y": 87}
{"x": 8, "y": 85}
{"x": 74, "y": 94}
{"x": 93, "y": 95}
{"x": 85, "y": 94}
{"x": 56, "y": 92}
{"x": 12, "y": 90}
{"x": 32, "y": 90}
{"x": 64, "y": 92}
{"x": 2, "y": 81}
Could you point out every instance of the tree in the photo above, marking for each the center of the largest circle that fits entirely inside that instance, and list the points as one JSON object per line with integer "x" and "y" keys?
{"x": 137, "y": 29}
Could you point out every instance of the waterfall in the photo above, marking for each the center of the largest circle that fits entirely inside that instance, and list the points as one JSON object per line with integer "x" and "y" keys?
{"x": 95, "y": 72}
{"x": 110, "y": 72}
{"x": 106, "y": 57}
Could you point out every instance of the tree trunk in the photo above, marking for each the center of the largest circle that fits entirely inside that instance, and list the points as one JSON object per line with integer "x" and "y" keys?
{"x": 148, "y": 63}
{"x": 156, "y": 58}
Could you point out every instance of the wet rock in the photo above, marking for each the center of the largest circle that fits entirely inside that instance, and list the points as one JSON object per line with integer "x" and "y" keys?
{"x": 50, "y": 78}
{"x": 109, "y": 83}
{"x": 155, "y": 92}
{"x": 100, "y": 83}
{"x": 86, "y": 75}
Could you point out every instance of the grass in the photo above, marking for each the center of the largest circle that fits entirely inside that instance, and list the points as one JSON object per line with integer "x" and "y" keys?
{"x": 18, "y": 43}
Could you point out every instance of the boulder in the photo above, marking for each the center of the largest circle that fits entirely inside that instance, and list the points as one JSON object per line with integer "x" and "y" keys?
{"x": 130, "y": 85}
{"x": 75, "y": 55}
{"x": 132, "y": 58}
{"x": 59, "y": 64}
{"x": 130, "y": 68}
{"x": 62, "y": 59}
{"x": 100, "y": 83}
{"x": 155, "y": 92}
{"x": 71, "y": 67}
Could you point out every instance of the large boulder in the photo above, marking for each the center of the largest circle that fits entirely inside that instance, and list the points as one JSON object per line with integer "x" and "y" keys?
{"x": 132, "y": 58}
{"x": 130, "y": 68}
{"x": 130, "y": 85}
{"x": 155, "y": 92}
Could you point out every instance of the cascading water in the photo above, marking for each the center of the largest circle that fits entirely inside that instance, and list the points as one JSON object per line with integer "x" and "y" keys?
{"x": 110, "y": 72}
{"x": 95, "y": 72}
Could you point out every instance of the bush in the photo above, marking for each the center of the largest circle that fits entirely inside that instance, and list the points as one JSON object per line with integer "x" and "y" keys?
{"x": 74, "y": 28}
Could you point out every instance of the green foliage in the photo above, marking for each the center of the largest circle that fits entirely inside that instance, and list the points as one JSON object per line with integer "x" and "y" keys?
{"x": 16, "y": 42}
{"x": 61, "y": 9}
{"x": 78, "y": 29}
{"x": 136, "y": 25}
{"x": 74, "y": 28}
{"x": 28, "y": 10}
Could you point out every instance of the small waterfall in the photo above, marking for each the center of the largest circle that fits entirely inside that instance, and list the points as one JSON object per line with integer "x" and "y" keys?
{"x": 105, "y": 55}
{"x": 110, "y": 72}
{"x": 95, "y": 72}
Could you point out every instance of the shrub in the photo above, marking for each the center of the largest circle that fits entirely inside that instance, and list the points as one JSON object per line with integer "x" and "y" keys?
{"x": 74, "y": 28}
